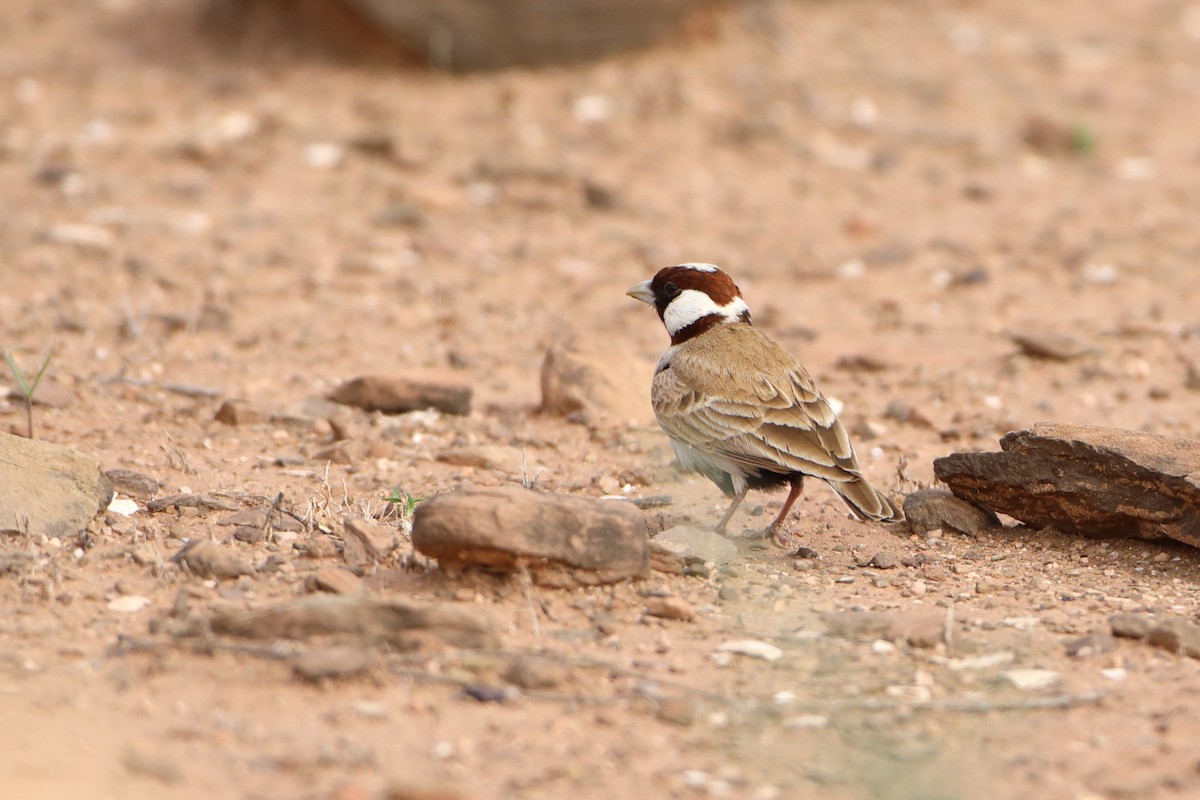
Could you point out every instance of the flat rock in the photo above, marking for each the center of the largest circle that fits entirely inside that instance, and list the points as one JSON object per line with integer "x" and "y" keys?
{"x": 664, "y": 559}
{"x": 916, "y": 629}
{"x": 484, "y": 456}
{"x": 931, "y": 509}
{"x": 205, "y": 558}
{"x": 48, "y": 490}
{"x": 1128, "y": 625}
{"x": 1049, "y": 345}
{"x": 1031, "y": 679}
{"x": 593, "y": 388}
{"x": 697, "y": 543}
{"x": 257, "y": 518}
{"x": 134, "y": 484}
{"x": 472, "y": 36}
{"x": 561, "y": 539}
{"x": 1086, "y": 480}
{"x": 675, "y": 608}
{"x": 330, "y": 663}
{"x": 1176, "y": 635}
{"x": 536, "y": 672}
{"x": 396, "y": 394}
{"x": 375, "y": 540}
{"x": 405, "y": 625}
{"x": 240, "y": 412}
{"x": 336, "y": 580}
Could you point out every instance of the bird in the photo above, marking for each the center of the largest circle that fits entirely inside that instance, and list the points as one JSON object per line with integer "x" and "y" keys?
{"x": 738, "y": 408}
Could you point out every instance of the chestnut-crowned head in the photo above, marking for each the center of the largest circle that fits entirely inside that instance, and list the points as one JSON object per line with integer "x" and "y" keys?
{"x": 691, "y": 298}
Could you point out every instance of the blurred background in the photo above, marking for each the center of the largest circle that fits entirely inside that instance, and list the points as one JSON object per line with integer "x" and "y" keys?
{"x": 266, "y": 197}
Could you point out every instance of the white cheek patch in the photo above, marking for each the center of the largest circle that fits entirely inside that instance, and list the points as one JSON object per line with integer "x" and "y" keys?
{"x": 693, "y": 305}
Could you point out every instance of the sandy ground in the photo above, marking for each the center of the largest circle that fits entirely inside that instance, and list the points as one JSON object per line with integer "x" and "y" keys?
{"x": 264, "y": 218}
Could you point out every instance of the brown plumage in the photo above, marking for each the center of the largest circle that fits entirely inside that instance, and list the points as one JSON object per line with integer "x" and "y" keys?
{"x": 738, "y": 408}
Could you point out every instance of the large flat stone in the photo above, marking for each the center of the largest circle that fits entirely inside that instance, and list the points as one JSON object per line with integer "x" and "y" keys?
{"x": 1086, "y": 480}
{"x": 561, "y": 539}
{"x": 48, "y": 490}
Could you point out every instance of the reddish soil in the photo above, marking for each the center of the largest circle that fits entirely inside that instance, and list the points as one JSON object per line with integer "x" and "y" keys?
{"x": 905, "y": 183}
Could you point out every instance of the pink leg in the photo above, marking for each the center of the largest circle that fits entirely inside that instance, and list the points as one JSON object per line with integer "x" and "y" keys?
{"x": 737, "y": 501}
{"x": 782, "y": 537}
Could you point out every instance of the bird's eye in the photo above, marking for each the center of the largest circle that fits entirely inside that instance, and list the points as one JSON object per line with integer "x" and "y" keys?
{"x": 671, "y": 291}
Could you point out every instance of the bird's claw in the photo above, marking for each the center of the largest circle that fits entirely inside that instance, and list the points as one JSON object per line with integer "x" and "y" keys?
{"x": 781, "y": 537}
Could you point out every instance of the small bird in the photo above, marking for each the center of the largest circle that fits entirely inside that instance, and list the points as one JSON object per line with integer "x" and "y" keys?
{"x": 738, "y": 408}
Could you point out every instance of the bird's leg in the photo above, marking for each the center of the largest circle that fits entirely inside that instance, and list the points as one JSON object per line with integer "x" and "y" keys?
{"x": 737, "y": 501}
{"x": 782, "y": 537}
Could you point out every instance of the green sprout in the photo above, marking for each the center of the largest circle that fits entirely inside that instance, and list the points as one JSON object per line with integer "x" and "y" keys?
{"x": 26, "y": 386}
{"x": 407, "y": 502}
{"x": 1083, "y": 141}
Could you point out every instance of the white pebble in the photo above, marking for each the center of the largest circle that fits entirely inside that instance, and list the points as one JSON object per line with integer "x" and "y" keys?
{"x": 128, "y": 604}
{"x": 806, "y": 721}
{"x": 1100, "y": 273}
{"x": 123, "y": 505}
{"x": 593, "y": 108}
{"x": 852, "y": 269}
{"x": 1029, "y": 679}
{"x": 752, "y": 648}
{"x": 324, "y": 155}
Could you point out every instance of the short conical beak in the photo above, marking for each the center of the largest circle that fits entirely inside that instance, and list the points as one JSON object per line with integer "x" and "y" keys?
{"x": 642, "y": 292}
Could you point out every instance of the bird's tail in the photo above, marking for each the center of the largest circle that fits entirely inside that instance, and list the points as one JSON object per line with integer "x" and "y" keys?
{"x": 867, "y": 502}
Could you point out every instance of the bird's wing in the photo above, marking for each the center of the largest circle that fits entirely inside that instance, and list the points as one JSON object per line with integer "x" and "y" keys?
{"x": 746, "y": 399}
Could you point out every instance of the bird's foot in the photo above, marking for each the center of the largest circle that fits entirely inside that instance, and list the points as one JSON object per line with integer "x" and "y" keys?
{"x": 780, "y": 536}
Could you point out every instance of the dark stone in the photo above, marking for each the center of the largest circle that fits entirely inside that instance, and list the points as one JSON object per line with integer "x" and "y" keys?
{"x": 1086, "y": 480}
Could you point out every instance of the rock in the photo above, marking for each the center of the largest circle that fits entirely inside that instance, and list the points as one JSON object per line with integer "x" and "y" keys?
{"x": 1091, "y": 645}
{"x": 670, "y": 608}
{"x": 128, "y": 604}
{"x": 204, "y": 558}
{"x": 1050, "y": 346}
{"x": 682, "y": 711}
{"x": 331, "y": 662}
{"x": 81, "y": 235}
{"x": 751, "y": 648}
{"x": 415, "y": 391}
{"x": 1086, "y": 480}
{"x": 665, "y": 559}
{"x": 884, "y": 560}
{"x": 156, "y": 767}
{"x": 1176, "y": 635}
{"x": 257, "y": 518}
{"x": 915, "y": 629}
{"x": 203, "y": 503}
{"x": 134, "y": 484}
{"x": 48, "y": 490}
{"x": 335, "y": 580}
{"x": 562, "y": 540}
{"x": 239, "y": 412}
{"x": 696, "y": 543}
{"x": 249, "y": 534}
{"x": 536, "y": 672}
{"x": 405, "y": 625}
{"x": 933, "y": 509}
{"x": 485, "y": 456}
{"x": 345, "y": 453}
{"x": 918, "y": 629}
{"x": 1031, "y": 679}
{"x": 377, "y": 541}
{"x": 1131, "y": 626}
{"x": 594, "y": 388}
{"x": 474, "y": 36}
{"x": 1051, "y": 137}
